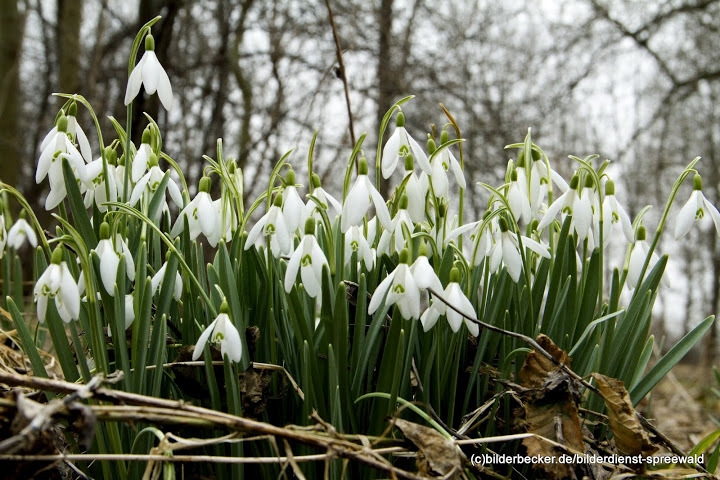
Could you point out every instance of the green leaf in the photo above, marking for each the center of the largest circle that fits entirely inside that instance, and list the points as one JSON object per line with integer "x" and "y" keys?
{"x": 669, "y": 360}
{"x": 77, "y": 207}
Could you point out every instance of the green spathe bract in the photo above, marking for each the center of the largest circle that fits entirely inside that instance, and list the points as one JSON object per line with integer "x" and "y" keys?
{"x": 313, "y": 300}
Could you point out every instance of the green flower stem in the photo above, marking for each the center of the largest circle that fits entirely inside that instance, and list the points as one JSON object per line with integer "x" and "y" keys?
{"x": 410, "y": 406}
{"x": 461, "y": 204}
{"x": 351, "y": 166}
{"x": 661, "y": 225}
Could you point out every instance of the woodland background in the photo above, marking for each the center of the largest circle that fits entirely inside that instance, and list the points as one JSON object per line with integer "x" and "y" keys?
{"x": 637, "y": 82}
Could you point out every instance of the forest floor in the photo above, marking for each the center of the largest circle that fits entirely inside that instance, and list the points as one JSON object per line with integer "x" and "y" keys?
{"x": 685, "y": 405}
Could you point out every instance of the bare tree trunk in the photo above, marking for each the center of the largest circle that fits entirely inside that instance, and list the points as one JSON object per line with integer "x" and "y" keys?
{"x": 10, "y": 94}
{"x": 385, "y": 69}
{"x": 69, "y": 18}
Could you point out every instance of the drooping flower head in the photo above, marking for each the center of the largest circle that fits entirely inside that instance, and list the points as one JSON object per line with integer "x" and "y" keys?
{"x": 695, "y": 209}
{"x": 453, "y": 295}
{"x": 274, "y": 231}
{"x": 57, "y": 283}
{"x": 361, "y": 195}
{"x": 637, "y": 259}
{"x": 202, "y": 215}
{"x": 151, "y": 75}
{"x": 309, "y": 259}
{"x": 398, "y": 288}
{"x": 109, "y": 252}
{"x": 400, "y": 144}
{"x": 18, "y": 234}
{"x": 221, "y": 331}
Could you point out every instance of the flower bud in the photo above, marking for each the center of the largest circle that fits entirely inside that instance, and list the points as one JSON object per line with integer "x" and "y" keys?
{"x": 147, "y": 135}
{"x": 444, "y": 137}
{"x": 503, "y": 224}
{"x": 315, "y": 180}
{"x": 224, "y": 307}
{"x": 72, "y": 110}
{"x": 400, "y": 120}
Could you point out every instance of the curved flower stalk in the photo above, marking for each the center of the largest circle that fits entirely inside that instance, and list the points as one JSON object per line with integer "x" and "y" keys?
{"x": 399, "y": 145}
{"x": 202, "y": 215}
{"x": 58, "y": 284}
{"x": 19, "y": 233}
{"x": 109, "y": 253}
{"x": 361, "y": 195}
{"x": 221, "y": 331}
{"x": 694, "y": 209}
{"x": 274, "y": 231}
{"x": 309, "y": 259}
{"x": 454, "y": 296}
{"x": 151, "y": 74}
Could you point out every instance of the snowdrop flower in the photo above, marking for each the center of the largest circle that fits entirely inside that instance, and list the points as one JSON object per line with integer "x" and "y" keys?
{"x": 309, "y": 258}
{"x": 109, "y": 253}
{"x": 332, "y": 206}
{"x": 202, "y": 215}
{"x": 94, "y": 179}
{"x": 221, "y": 331}
{"x": 142, "y": 157}
{"x": 517, "y": 199}
{"x": 57, "y": 283}
{"x": 18, "y": 233}
{"x": 147, "y": 186}
{"x": 637, "y": 260}
{"x": 509, "y": 246}
{"x": 157, "y": 281}
{"x": 578, "y": 204}
{"x": 75, "y": 132}
{"x": 293, "y": 207}
{"x": 614, "y": 213}
{"x": 399, "y": 145}
{"x": 423, "y": 273}
{"x": 442, "y": 162}
{"x": 355, "y": 241}
{"x": 361, "y": 195}
{"x": 401, "y": 289}
{"x": 416, "y": 189}
{"x": 454, "y": 295}
{"x": 54, "y": 146}
{"x": 129, "y": 313}
{"x": 395, "y": 232}
{"x": 274, "y": 231}
{"x": 695, "y": 209}
{"x": 151, "y": 74}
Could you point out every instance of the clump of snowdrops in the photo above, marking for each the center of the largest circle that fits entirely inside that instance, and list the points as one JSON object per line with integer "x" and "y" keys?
{"x": 367, "y": 302}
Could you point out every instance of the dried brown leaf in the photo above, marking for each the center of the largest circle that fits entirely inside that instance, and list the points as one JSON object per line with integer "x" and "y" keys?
{"x": 438, "y": 456}
{"x": 630, "y": 437}
{"x": 538, "y": 369}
